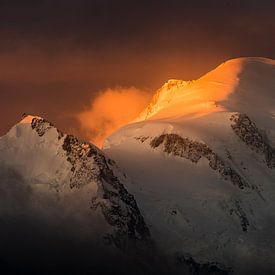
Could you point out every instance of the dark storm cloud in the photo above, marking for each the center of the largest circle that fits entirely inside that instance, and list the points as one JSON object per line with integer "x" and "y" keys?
{"x": 56, "y": 55}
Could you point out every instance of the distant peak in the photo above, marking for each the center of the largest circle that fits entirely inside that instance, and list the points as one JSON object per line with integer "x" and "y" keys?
{"x": 28, "y": 118}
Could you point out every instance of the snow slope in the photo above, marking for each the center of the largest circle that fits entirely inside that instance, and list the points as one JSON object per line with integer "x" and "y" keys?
{"x": 234, "y": 85}
{"x": 54, "y": 187}
{"x": 202, "y": 160}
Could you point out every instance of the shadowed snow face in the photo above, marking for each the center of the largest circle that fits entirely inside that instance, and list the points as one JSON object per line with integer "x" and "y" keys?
{"x": 62, "y": 207}
{"x": 37, "y": 230}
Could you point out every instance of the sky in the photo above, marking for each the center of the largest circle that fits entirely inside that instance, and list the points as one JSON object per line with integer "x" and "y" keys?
{"x": 68, "y": 61}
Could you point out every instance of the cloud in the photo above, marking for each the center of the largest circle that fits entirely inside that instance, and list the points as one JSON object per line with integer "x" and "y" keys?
{"x": 110, "y": 110}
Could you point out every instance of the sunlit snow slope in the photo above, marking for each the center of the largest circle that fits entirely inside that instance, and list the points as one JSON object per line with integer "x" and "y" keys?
{"x": 202, "y": 160}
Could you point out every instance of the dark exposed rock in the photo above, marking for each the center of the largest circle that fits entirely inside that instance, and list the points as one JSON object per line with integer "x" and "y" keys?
{"x": 41, "y": 126}
{"x": 194, "y": 151}
{"x": 117, "y": 205}
{"x": 142, "y": 139}
{"x": 82, "y": 168}
{"x": 239, "y": 212}
{"x": 247, "y": 131}
{"x": 197, "y": 268}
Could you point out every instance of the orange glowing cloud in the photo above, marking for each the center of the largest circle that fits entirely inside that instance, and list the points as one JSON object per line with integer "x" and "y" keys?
{"x": 110, "y": 110}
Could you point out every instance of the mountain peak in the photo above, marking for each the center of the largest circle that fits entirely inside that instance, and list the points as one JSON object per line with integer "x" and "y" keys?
{"x": 59, "y": 167}
{"x": 230, "y": 86}
{"x": 29, "y": 118}
{"x": 202, "y": 156}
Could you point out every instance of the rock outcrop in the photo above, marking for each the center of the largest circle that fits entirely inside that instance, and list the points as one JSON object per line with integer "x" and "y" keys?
{"x": 248, "y": 132}
{"x": 194, "y": 151}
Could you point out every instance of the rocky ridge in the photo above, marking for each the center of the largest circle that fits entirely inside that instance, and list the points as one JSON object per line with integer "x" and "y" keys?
{"x": 89, "y": 164}
{"x": 248, "y": 132}
{"x": 192, "y": 150}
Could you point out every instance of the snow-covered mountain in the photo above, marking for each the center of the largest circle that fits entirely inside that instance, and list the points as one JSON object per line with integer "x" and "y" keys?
{"x": 202, "y": 160}
{"x": 52, "y": 186}
{"x": 200, "y": 166}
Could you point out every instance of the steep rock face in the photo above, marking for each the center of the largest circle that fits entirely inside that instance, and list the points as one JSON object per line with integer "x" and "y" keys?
{"x": 117, "y": 205}
{"x": 178, "y": 146}
{"x": 248, "y": 132}
{"x": 41, "y": 126}
{"x": 194, "y": 151}
{"x": 79, "y": 166}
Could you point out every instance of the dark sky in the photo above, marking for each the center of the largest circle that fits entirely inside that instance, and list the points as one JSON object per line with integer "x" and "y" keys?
{"x": 56, "y": 55}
